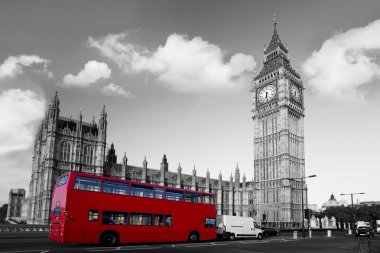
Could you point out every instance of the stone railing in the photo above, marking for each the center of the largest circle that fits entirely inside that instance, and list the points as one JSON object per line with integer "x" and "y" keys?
{"x": 10, "y": 228}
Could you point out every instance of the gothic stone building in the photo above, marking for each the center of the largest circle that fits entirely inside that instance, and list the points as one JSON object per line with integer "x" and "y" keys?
{"x": 278, "y": 120}
{"x": 65, "y": 144}
{"x": 16, "y": 198}
{"x": 62, "y": 144}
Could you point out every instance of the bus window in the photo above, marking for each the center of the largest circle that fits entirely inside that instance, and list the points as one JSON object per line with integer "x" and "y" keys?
{"x": 140, "y": 219}
{"x": 142, "y": 191}
{"x": 87, "y": 184}
{"x": 210, "y": 223}
{"x": 160, "y": 193}
{"x": 118, "y": 218}
{"x": 57, "y": 211}
{"x": 93, "y": 215}
{"x": 62, "y": 180}
{"x": 193, "y": 197}
{"x": 168, "y": 220}
{"x": 174, "y": 195}
{"x": 207, "y": 199}
{"x": 116, "y": 188}
{"x": 159, "y": 220}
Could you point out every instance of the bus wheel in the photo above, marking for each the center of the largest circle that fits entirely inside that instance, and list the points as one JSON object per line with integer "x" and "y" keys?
{"x": 193, "y": 236}
{"x": 109, "y": 238}
{"x": 232, "y": 237}
{"x": 259, "y": 236}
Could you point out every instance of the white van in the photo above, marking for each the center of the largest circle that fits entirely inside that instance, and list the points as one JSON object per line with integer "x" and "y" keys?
{"x": 232, "y": 227}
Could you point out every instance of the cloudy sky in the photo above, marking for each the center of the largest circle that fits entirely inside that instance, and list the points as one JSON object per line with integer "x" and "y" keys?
{"x": 175, "y": 79}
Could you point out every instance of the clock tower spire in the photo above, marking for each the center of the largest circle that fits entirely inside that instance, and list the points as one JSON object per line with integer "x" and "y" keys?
{"x": 278, "y": 120}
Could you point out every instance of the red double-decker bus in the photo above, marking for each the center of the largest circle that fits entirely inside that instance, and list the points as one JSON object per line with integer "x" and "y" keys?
{"x": 95, "y": 209}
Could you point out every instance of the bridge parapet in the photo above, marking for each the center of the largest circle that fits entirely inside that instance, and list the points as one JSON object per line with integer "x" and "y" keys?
{"x": 13, "y": 228}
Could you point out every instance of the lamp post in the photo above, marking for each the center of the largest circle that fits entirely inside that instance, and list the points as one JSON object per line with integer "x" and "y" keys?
{"x": 352, "y": 205}
{"x": 303, "y": 224}
{"x": 302, "y": 204}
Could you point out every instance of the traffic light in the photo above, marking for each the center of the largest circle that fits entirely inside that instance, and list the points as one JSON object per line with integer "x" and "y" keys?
{"x": 307, "y": 213}
{"x": 264, "y": 217}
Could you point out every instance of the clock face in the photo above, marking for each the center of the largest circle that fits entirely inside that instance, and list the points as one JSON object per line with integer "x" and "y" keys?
{"x": 267, "y": 93}
{"x": 295, "y": 93}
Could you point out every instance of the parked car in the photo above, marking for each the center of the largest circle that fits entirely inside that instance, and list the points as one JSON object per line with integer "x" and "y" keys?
{"x": 365, "y": 231}
{"x": 269, "y": 231}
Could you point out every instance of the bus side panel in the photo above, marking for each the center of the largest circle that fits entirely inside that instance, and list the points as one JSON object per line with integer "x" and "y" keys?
{"x": 150, "y": 233}
{"x": 73, "y": 226}
{"x": 86, "y": 228}
{"x": 209, "y": 232}
{"x": 76, "y": 218}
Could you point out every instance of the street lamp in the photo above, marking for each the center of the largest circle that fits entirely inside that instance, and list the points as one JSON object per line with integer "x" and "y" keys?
{"x": 302, "y": 205}
{"x": 352, "y": 205}
{"x": 303, "y": 224}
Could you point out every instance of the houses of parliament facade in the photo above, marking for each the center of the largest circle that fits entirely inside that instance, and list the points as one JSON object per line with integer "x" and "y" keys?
{"x": 65, "y": 144}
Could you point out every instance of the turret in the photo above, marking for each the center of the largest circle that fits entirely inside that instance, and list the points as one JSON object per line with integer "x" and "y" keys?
{"x": 103, "y": 122}
{"x": 208, "y": 181}
{"x": 220, "y": 180}
{"x": 163, "y": 169}
{"x": 50, "y": 128}
{"x": 78, "y": 144}
{"x": 244, "y": 181}
{"x": 179, "y": 173}
{"x": 53, "y": 110}
{"x": 101, "y": 145}
{"x": 237, "y": 176}
{"x": 231, "y": 197}
{"x": 144, "y": 170}
{"x": 80, "y": 117}
{"x": 124, "y": 167}
{"x": 219, "y": 195}
{"x": 111, "y": 156}
{"x": 194, "y": 180}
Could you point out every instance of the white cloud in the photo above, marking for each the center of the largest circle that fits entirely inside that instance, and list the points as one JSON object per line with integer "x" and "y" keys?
{"x": 91, "y": 73}
{"x": 346, "y": 63}
{"x": 14, "y": 65}
{"x": 182, "y": 64}
{"x": 20, "y": 110}
{"x": 115, "y": 90}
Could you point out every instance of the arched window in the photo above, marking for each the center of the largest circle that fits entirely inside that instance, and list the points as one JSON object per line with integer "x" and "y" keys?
{"x": 65, "y": 151}
{"x": 88, "y": 154}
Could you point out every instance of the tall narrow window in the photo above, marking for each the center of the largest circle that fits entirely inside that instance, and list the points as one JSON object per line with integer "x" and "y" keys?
{"x": 88, "y": 154}
{"x": 65, "y": 151}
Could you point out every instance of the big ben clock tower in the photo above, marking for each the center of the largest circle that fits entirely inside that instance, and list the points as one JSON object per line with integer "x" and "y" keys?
{"x": 278, "y": 120}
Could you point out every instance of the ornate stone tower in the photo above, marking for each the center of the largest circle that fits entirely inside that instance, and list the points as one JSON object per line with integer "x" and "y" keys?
{"x": 278, "y": 119}
{"x": 61, "y": 145}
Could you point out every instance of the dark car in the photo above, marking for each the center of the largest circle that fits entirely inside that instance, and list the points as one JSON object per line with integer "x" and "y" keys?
{"x": 365, "y": 231}
{"x": 270, "y": 231}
